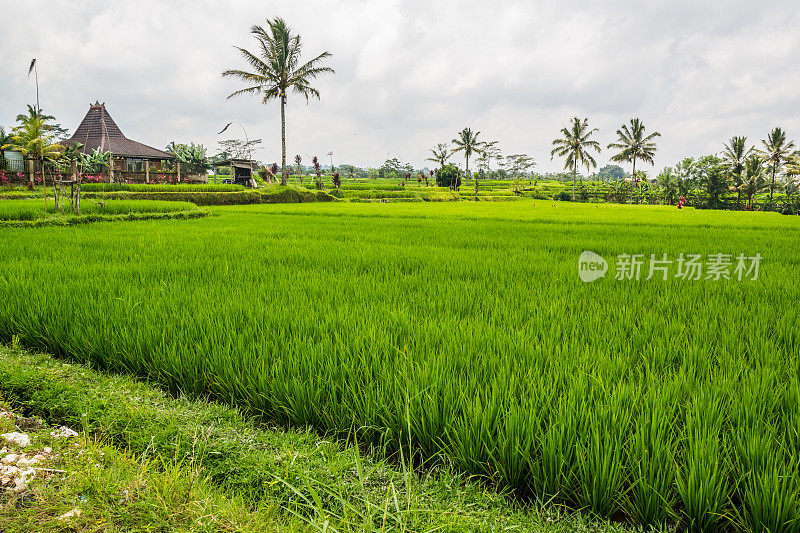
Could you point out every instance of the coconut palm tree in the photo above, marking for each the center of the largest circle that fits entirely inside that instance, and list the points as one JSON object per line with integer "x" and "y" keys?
{"x": 440, "y": 154}
{"x": 775, "y": 152}
{"x": 33, "y": 139}
{"x": 734, "y": 156}
{"x": 575, "y": 145}
{"x": 634, "y": 145}
{"x": 277, "y": 70}
{"x": 753, "y": 181}
{"x": 467, "y": 142}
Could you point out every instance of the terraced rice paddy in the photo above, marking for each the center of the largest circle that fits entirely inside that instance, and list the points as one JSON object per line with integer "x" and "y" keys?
{"x": 460, "y": 332}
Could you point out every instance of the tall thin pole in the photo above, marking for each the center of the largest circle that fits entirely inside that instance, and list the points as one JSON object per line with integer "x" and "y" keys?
{"x": 39, "y": 120}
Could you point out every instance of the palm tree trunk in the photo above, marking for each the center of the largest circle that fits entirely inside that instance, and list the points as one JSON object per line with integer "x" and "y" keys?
{"x": 772, "y": 185}
{"x": 574, "y": 178}
{"x": 633, "y": 178}
{"x": 284, "y": 170}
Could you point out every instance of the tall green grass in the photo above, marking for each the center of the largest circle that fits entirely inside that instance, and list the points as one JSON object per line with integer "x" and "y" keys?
{"x": 460, "y": 333}
{"x": 33, "y": 209}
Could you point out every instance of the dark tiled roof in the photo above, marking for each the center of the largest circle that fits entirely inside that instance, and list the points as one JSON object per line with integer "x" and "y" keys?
{"x": 98, "y": 130}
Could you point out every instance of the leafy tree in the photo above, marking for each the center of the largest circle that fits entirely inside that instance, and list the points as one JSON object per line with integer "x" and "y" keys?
{"x": 775, "y": 152}
{"x": 440, "y": 154}
{"x": 611, "y": 173}
{"x": 714, "y": 178}
{"x": 276, "y": 70}
{"x": 448, "y": 176}
{"x": 519, "y": 164}
{"x": 686, "y": 172}
{"x": 734, "y": 156}
{"x": 753, "y": 180}
{"x": 574, "y": 145}
{"x": 668, "y": 183}
{"x": 491, "y": 152}
{"x": 467, "y": 142}
{"x": 237, "y": 149}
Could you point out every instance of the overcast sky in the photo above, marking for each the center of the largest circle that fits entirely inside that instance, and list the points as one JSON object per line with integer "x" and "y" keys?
{"x": 413, "y": 73}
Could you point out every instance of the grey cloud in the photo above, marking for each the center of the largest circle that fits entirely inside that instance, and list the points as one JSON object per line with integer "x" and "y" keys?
{"x": 413, "y": 73}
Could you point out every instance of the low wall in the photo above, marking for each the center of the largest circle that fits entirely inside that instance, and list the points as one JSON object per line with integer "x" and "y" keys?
{"x": 23, "y": 178}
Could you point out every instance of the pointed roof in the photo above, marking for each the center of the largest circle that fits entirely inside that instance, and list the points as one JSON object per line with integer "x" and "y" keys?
{"x": 98, "y": 130}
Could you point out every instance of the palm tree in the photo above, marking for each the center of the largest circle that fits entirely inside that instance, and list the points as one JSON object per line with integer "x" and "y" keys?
{"x": 277, "y": 70}
{"x": 575, "y": 145}
{"x": 633, "y": 144}
{"x": 440, "y": 154}
{"x": 468, "y": 142}
{"x": 735, "y": 155}
{"x": 776, "y": 150}
{"x": 753, "y": 180}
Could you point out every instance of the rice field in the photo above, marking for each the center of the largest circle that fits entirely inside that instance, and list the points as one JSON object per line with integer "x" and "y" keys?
{"x": 461, "y": 333}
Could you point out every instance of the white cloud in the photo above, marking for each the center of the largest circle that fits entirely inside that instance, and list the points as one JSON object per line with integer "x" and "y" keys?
{"x": 410, "y": 74}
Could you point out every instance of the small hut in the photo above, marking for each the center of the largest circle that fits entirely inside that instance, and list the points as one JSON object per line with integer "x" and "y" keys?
{"x": 241, "y": 170}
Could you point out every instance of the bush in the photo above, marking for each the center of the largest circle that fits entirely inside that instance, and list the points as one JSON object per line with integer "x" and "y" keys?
{"x": 448, "y": 176}
{"x": 563, "y": 196}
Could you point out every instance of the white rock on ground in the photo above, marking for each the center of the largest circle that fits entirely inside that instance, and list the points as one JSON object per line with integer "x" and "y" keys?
{"x": 21, "y": 439}
{"x": 64, "y": 432}
{"x": 70, "y": 514}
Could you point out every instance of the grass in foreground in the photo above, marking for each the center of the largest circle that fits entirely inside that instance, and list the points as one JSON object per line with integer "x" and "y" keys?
{"x": 196, "y": 466}
{"x": 83, "y": 484}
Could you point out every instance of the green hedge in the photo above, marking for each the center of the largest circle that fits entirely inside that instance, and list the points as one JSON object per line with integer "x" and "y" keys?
{"x": 276, "y": 195}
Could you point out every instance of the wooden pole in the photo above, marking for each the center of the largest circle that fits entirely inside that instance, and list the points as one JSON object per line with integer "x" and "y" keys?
{"x": 147, "y": 171}
{"x": 111, "y": 168}
{"x": 179, "y": 171}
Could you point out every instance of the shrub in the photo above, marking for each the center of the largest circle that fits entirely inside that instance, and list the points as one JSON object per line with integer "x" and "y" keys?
{"x": 448, "y": 176}
{"x": 563, "y": 196}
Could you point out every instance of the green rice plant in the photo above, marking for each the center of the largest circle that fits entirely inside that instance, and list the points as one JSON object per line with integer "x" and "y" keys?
{"x": 651, "y": 498}
{"x": 456, "y": 333}
{"x": 703, "y": 483}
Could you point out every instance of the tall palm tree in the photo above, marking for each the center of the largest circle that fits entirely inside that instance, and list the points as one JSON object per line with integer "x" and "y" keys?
{"x": 440, "y": 154}
{"x": 634, "y": 145}
{"x": 467, "y": 142}
{"x": 575, "y": 145}
{"x": 276, "y": 70}
{"x": 734, "y": 155}
{"x": 776, "y": 150}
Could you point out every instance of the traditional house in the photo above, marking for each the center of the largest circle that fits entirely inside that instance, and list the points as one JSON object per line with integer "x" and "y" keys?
{"x": 99, "y": 131}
